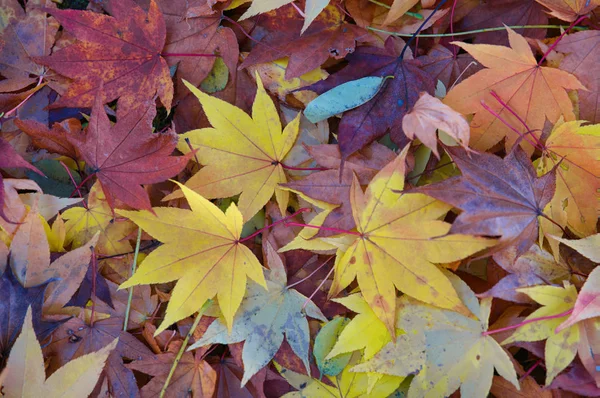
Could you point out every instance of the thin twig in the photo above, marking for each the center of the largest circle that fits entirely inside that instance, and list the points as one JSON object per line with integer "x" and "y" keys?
{"x": 133, "y": 265}
{"x": 183, "y": 347}
{"x": 470, "y": 32}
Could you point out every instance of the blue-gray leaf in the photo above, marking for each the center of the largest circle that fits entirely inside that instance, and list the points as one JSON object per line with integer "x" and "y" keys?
{"x": 343, "y": 97}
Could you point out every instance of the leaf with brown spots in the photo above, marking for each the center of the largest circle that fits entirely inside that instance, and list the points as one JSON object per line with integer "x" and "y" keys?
{"x": 396, "y": 246}
{"x": 121, "y": 53}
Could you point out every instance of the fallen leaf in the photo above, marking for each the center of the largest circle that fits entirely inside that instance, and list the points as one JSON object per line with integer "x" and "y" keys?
{"x": 202, "y": 250}
{"x": 193, "y": 375}
{"x": 264, "y": 317}
{"x": 55, "y": 140}
{"x": 427, "y": 116}
{"x": 328, "y": 36}
{"x": 118, "y": 56}
{"x": 132, "y": 155}
{"x": 536, "y": 93}
{"x": 569, "y": 10}
{"x": 560, "y": 347}
{"x": 238, "y": 155}
{"x": 498, "y": 197}
{"x": 82, "y": 223}
{"x": 385, "y": 112}
{"x": 457, "y": 353}
{"x": 365, "y": 330}
{"x": 583, "y": 53}
{"x": 27, "y": 377}
{"x": 577, "y": 177}
{"x": 587, "y": 304}
{"x": 588, "y": 247}
{"x": 10, "y": 158}
{"x": 394, "y": 246}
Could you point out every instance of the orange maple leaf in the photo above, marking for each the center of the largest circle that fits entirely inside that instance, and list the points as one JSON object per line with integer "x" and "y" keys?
{"x": 533, "y": 92}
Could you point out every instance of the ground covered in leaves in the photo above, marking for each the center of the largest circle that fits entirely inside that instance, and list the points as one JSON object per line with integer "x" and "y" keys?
{"x": 311, "y": 198}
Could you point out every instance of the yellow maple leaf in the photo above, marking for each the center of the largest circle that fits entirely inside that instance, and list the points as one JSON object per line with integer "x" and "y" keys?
{"x": 534, "y": 92}
{"x": 240, "y": 154}
{"x": 26, "y": 375}
{"x": 364, "y": 331}
{"x": 202, "y": 250}
{"x": 560, "y": 347}
{"x": 396, "y": 246}
{"x": 83, "y": 223}
{"x": 575, "y": 202}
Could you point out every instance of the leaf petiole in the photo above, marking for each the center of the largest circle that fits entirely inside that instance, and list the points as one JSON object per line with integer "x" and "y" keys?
{"x": 525, "y": 322}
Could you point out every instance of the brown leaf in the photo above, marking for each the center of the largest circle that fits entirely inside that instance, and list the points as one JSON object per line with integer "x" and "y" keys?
{"x": 428, "y": 115}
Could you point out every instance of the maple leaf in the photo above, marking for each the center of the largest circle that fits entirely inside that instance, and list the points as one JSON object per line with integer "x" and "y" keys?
{"x": 328, "y": 36}
{"x": 194, "y": 29}
{"x": 577, "y": 178}
{"x": 263, "y": 319}
{"x": 77, "y": 337}
{"x": 395, "y": 246}
{"x": 27, "y": 37}
{"x": 10, "y": 158}
{"x": 534, "y": 92}
{"x": 202, "y": 249}
{"x": 499, "y": 197}
{"x": 588, "y": 246}
{"x": 241, "y": 154}
{"x": 443, "y": 65}
{"x": 131, "y": 154}
{"x": 27, "y": 376}
{"x": 587, "y": 304}
{"x": 82, "y": 223}
{"x": 347, "y": 384}
{"x": 385, "y": 112}
{"x": 457, "y": 352}
{"x": 14, "y": 302}
{"x": 364, "y": 331}
{"x": 193, "y": 374}
{"x": 569, "y": 10}
{"x": 55, "y": 140}
{"x": 30, "y": 262}
{"x": 427, "y": 116}
{"x": 534, "y": 267}
{"x": 582, "y": 54}
{"x": 484, "y": 15}
{"x": 312, "y": 8}
{"x": 560, "y": 347}
{"x": 117, "y": 56}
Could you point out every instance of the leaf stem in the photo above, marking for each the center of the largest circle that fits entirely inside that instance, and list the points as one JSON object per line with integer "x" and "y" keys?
{"x": 183, "y": 347}
{"x": 414, "y": 35}
{"x": 507, "y": 124}
{"x": 519, "y": 118}
{"x": 283, "y": 220}
{"x": 311, "y": 274}
{"x": 133, "y": 265}
{"x": 13, "y": 110}
{"x": 470, "y": 32}
{"x": 535, "y": 365}
{"x": 555, "y": 223}
{"x": 318, "y": 288}
{"x": 527, "y": 321}
{"x": 553, "y": 46}
{"x": 74, "y": 183}
{"x": 341, "y": 231}
{"x": 78, "y": 187}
